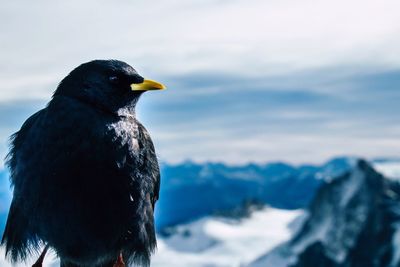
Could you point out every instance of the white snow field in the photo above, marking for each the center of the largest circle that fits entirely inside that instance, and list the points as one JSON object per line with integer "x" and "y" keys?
{"x": 390, "y": 168}
{"x": 222, "y": 242}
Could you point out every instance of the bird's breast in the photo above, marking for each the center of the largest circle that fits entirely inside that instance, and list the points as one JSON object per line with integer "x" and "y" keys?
{"x": 124, "y": 135}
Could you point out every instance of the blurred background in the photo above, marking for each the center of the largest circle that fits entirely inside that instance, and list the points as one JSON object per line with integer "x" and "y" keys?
{"x": 270, "y": 105}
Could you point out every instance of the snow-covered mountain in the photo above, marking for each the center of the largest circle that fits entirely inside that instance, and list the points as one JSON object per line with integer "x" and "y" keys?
{"x": 352, "y": 221}
{"x": 190, "y": 191}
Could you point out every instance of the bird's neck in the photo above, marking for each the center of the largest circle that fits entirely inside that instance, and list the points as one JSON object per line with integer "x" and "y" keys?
{"x": 127, "y": 112}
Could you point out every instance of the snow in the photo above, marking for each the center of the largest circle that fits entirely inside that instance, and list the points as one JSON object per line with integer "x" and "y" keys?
{"x": 191, "y": 238}
{"x": 278, "y": 257}
{"x": 236, "y": 242}
{"x": 319, "y": 233}
{"x": 351, "y": 186}
{"x": 390, "y": 169}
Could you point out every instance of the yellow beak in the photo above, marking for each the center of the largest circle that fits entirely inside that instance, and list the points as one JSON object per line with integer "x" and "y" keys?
{"x": 147, "y": 85}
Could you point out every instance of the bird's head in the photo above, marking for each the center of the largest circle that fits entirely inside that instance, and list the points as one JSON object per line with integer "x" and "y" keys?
{"x": 107, "y": 84}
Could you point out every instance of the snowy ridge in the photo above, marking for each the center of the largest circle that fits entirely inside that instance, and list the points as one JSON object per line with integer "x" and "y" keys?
{"x": 335, "y": 232}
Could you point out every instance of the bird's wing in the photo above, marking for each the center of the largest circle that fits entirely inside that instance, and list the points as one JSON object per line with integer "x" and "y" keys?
{"x": 150, "y": 162}
{"x": 16, "y": 236}
{"x": 17, "y": 140}
{"x": 45, "y": 161}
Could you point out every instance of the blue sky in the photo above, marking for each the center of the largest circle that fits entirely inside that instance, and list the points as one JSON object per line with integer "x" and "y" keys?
{"x": 299, "y": 81}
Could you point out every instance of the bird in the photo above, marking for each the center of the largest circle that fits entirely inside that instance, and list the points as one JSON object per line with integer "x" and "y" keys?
{"x": 85, "y": 173}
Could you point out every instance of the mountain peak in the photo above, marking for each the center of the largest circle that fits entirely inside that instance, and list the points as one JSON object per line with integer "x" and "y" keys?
{"x": 349, "y": 221}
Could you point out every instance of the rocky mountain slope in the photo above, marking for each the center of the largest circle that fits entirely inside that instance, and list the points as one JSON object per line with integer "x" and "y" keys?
{"x": 352, "y": 221}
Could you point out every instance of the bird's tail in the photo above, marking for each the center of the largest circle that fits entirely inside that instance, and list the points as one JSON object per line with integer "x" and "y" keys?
{"x": 16, "y": 238}
{"x": 116, "y": 263}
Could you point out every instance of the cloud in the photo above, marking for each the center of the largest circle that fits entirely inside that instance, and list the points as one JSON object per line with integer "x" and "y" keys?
{"x": 240, "y": 119}
{"x": 248, "y": 80}
{"x": 295, "y": 121}
{"x": 46, "y": 39}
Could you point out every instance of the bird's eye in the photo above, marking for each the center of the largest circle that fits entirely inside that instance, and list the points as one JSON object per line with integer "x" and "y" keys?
{"x": 113, "y": 79}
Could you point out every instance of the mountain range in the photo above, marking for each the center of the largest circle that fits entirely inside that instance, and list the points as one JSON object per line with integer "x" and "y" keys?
{"x": 190, "y": 191}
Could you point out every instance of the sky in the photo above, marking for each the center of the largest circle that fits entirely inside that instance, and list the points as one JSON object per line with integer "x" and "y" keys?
{"x": 248, "y": 81}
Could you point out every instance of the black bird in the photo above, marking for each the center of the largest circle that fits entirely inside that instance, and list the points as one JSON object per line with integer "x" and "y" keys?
{"x": 85, "y": 173}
